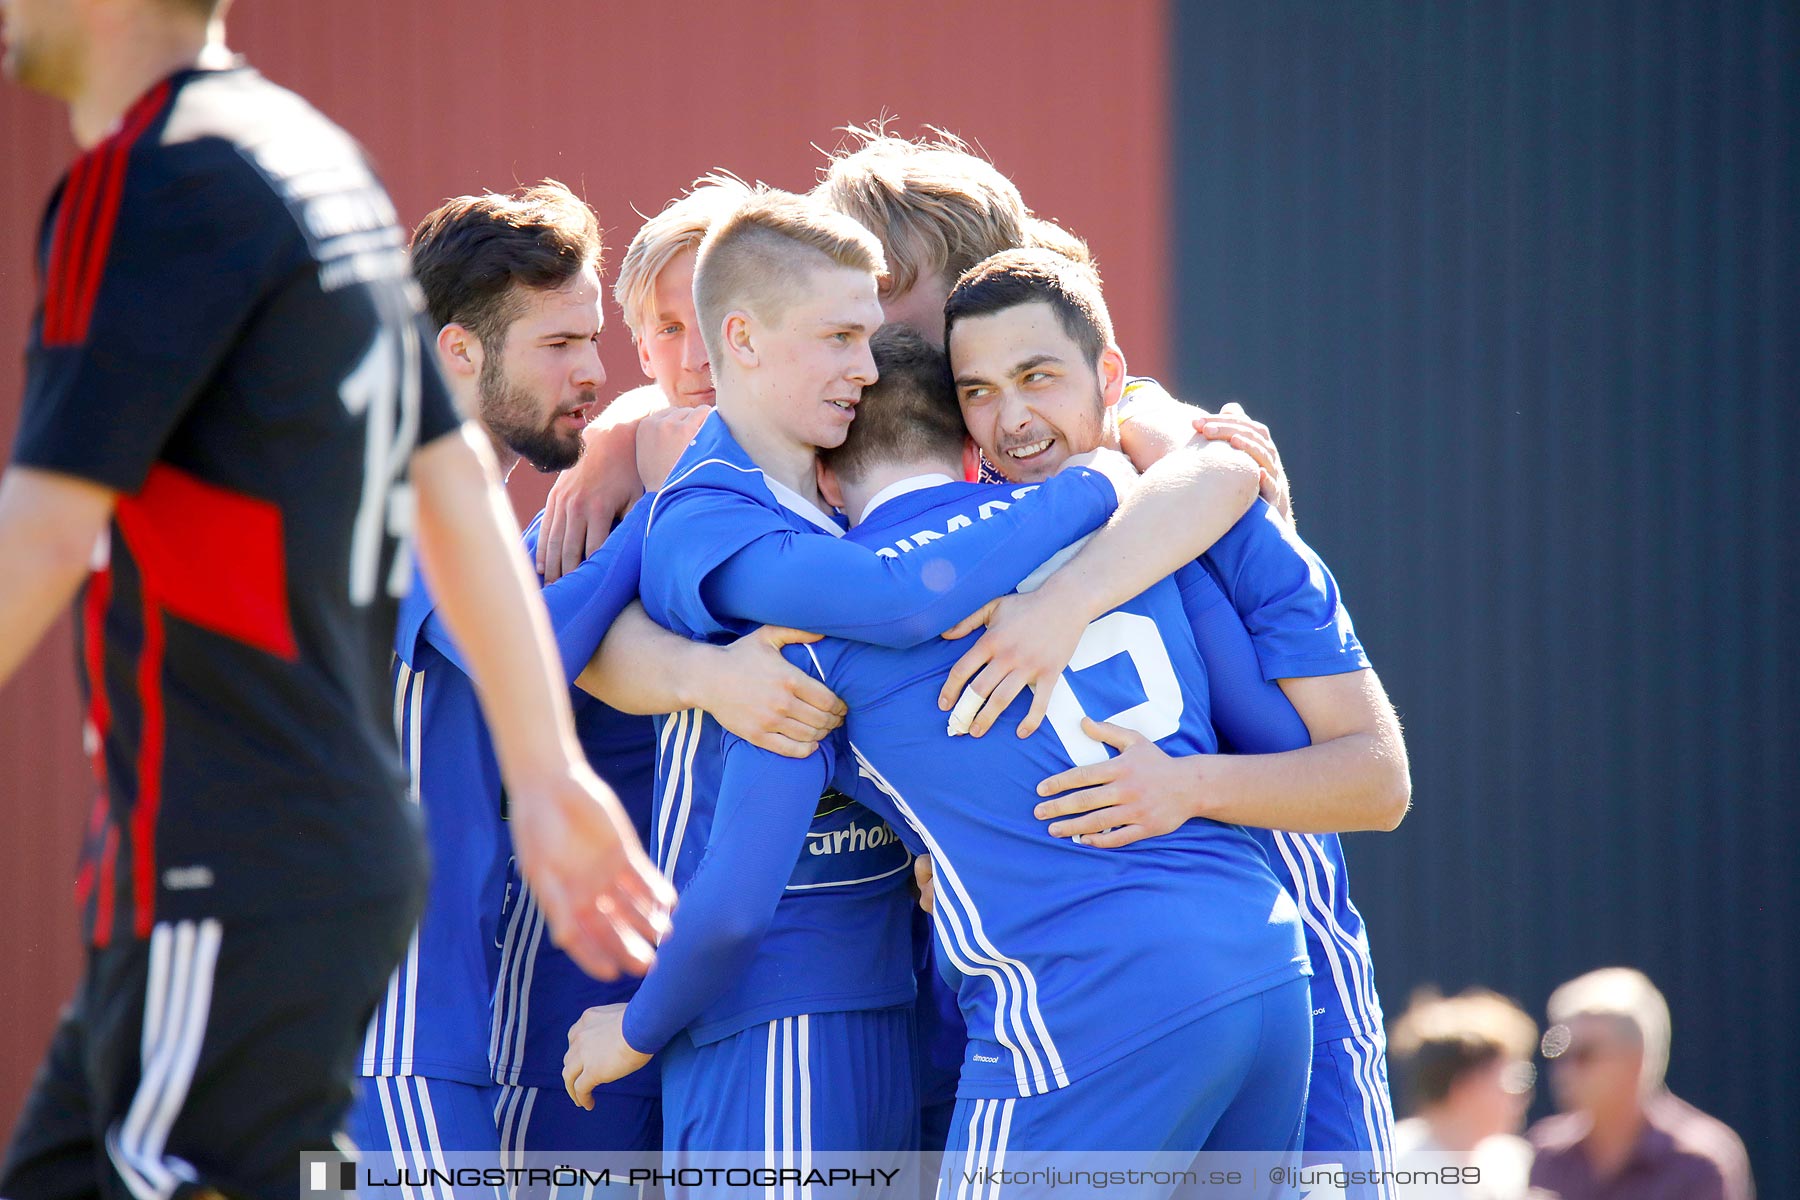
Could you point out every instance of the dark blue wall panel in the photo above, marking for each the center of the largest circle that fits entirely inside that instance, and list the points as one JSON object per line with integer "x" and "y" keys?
{"x": 1516, "y": 286}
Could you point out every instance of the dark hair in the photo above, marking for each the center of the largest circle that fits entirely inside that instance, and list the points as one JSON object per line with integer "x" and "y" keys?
{"x": 472, "y": 252}
{"x": 1015, "y": 277}
{"x": 1438, "y": 1040}
{"x": 909, "y": 413}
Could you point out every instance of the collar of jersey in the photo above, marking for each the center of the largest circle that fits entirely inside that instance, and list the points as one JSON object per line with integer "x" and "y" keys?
{"x": 714, "y": 443}
{"x": 800, "y": 506}
{"x": 913, "y": 483}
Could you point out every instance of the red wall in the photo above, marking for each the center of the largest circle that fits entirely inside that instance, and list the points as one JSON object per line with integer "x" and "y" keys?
{"x": 626, "y": 104}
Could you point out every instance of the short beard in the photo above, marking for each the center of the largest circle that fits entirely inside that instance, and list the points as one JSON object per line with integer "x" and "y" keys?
{"x": 509, "y": 411}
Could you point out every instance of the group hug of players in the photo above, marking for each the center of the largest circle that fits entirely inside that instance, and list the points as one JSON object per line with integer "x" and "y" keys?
{"x": 892, "y": 593}
{"x": 1134, "y": 942}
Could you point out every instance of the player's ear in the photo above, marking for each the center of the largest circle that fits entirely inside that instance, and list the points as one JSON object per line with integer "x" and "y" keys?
{"x": 1111, "y": 369}
{"x": 740, "y": 339}
{"x": 830, "y": 486}
{"x": 459, "y": 351}
{"x": 643, "y": 349}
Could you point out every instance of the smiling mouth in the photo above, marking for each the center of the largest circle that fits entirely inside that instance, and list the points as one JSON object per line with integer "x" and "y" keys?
{"x": 1030, "y": 450}
{"x": 845, "y": 405}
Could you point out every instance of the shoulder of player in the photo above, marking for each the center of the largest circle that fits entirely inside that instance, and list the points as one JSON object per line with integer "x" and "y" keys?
{"x": 707, "y": 481}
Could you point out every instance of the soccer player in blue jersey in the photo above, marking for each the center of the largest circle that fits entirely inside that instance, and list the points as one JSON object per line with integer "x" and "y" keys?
{"x": 747, "y": 687}
{"x": 1023, "y": 327}
{"x": 1105, "y": 1017}
{"x": 938, "y": 210}
{"x": 512, "y": 285}
{"x": 786, "y": 293}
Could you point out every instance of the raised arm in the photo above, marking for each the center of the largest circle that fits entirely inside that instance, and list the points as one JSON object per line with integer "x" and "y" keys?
{"x": 765, "y": 807}
{"x": 605, "y": 902}
{"x": 1181, "y": 507}
{"x": 589, "y": 498}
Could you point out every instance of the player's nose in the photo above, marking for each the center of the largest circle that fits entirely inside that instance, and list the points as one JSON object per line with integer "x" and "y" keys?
{"x": 589, "y": 372}
{"x": 693, "y": 351}
{"x": 862, "y": 367}
{"x": 1015, "y": 414}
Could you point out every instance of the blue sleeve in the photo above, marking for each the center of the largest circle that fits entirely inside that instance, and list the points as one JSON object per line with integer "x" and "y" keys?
{"x": 765, "y": 806}
{"x": 1251, "y": 714}
{"x": 1286, "y": 598}
{"x": 582, "y": 604}
{"x": 777, "y": 576}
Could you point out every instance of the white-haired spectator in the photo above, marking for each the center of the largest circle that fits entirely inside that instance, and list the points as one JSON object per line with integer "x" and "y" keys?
{"x": 1620, "y": 1132}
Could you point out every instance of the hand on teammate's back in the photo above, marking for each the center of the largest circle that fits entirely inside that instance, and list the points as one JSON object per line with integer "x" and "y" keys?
{"x": 1136, "y": 794}
{"x": 606, "y": 903}
{"x": 926, "y": 880}
{"x": 757, "y": 694}
{"x": 598, "y": 1053}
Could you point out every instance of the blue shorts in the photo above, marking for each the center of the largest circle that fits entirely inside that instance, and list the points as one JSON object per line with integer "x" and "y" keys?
{"x": 819, "y": 1082}
{"x": 1233, "y": 1080}
{"x": 542, "y": 1127}
{"x": 407, "y": 1123}
{"x": 934, "y": 1125}
{"x": 1349, "y": 1114}
{"x": 533, "y": 1120}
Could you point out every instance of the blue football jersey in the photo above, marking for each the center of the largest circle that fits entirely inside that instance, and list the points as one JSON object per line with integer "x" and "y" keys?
{"x": 728, "y": 549}
{"x": 1288, "y": 600}
{"x": 436, "y": 1018}
{"x": 433, "y": 1018}
{"x": 1283, "y": 594}
{"x": 540, "y": 991}
{"x": 1069, "y": 957}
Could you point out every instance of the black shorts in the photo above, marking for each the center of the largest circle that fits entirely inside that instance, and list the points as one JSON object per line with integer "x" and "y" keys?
{"x": 209, "y": 1056}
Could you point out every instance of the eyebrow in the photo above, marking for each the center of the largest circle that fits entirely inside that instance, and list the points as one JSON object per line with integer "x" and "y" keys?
{"x": 1036, "y": 360}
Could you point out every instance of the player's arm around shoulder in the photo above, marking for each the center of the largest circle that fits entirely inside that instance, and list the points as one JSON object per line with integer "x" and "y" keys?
{"x": 1355, "y": 775}
{"x": 747, "y": 686}
{"x": 1152, "y": 424}
{"x": 1179, "y": 508}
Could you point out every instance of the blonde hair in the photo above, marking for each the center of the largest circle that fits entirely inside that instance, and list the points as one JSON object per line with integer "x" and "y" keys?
{"x": 756, "y": 257}
{"x": 680, "y": 226}
{"x": 1041, "y": 233}
{"x": 1627, "y": 996}
{"x": 935, "y": 205}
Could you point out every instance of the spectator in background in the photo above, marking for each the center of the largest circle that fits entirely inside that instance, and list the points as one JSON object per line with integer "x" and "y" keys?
{"x": 1620, "y": 1133}
{"x": 1465, "y": 1065}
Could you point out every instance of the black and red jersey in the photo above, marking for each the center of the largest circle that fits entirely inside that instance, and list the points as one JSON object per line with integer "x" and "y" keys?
{"x": 229, "y": 337}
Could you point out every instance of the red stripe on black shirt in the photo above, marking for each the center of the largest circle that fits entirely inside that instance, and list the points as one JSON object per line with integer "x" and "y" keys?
{"x": 95, "y": 186}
